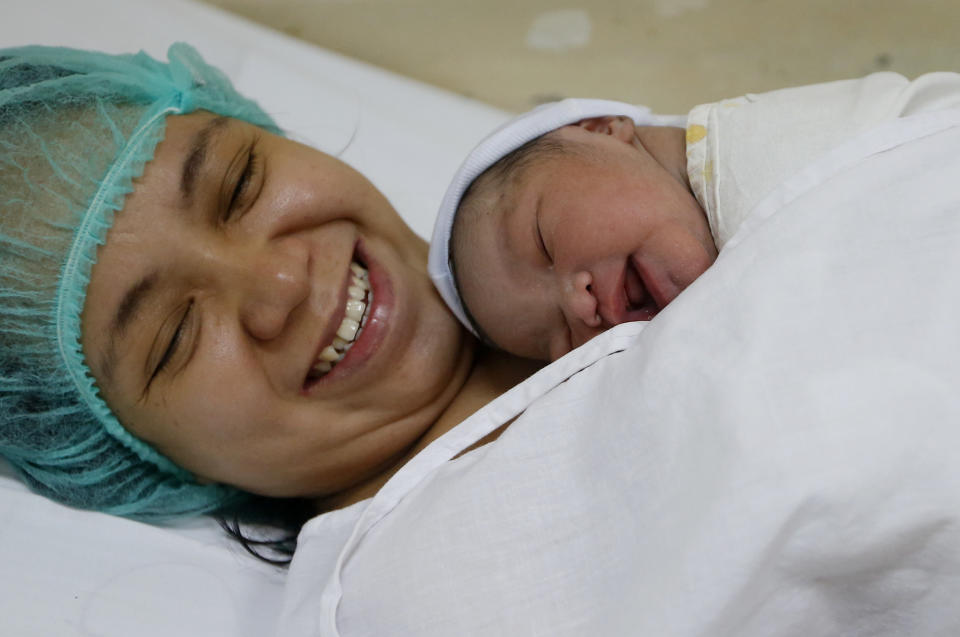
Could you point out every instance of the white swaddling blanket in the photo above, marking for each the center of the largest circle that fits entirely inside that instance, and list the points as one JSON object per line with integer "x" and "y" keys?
{"x": 739, "y": 150}
{"x": 775, "y": 454}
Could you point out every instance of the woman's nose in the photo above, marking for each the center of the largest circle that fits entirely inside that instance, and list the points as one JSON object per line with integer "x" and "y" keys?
{"x": 273, "y": 281}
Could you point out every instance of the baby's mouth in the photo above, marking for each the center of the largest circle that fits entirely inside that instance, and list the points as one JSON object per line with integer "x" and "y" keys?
{"x": 640, "y": 304}
{"x": 359, "y": 300}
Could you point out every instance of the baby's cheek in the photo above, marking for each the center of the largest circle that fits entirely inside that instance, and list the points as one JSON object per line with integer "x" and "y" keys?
{"x": 691, "y": 265}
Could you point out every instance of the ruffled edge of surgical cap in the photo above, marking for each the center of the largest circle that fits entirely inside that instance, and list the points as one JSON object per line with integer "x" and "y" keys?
{"x": 75, "y": 277}
{"x": 505, "y": 139}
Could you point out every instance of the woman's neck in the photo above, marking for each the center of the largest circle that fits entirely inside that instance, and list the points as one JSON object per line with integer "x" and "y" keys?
{"x": 490, "y": 374}
{"x": 493, "y": 373}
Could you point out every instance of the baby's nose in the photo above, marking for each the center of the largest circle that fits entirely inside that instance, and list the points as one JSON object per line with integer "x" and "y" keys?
{"x": 579, "y": 302}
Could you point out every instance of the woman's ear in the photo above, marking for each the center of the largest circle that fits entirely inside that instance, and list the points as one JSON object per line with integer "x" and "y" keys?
{"x": 619, "y": 126}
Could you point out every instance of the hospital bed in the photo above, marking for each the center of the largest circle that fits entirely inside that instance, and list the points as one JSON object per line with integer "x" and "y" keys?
{"x": 71, "y": 573}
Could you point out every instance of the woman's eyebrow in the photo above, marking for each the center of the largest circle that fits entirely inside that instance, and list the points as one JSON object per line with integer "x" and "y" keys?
{"x": 127, "y": 309}
{"x": 193, "y": 164}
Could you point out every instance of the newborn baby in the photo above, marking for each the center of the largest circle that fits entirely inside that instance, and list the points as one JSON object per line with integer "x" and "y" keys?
{"x": 585, "y": 227}
{"x": 584, "y": 214}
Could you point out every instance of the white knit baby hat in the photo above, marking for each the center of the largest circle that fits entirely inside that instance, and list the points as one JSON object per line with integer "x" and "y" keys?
{"x": 508, "y": 137}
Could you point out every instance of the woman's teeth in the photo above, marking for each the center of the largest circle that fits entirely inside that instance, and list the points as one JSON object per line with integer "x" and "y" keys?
{"x": 355, "y": 317}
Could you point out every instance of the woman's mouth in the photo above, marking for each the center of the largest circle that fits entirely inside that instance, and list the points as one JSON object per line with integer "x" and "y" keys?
{"x": 359, "y": 300}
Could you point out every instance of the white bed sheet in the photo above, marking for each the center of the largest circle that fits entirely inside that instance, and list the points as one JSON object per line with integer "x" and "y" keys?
{"x": 70, "y": 573}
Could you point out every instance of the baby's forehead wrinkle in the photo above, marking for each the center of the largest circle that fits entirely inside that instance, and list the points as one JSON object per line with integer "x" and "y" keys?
{"x": 513, "y": 228}
{"x": 478, "y": 209}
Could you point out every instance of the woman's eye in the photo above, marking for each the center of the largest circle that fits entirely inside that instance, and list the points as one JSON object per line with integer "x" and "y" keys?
{"x": 174, "y": 343}
{"x": 243, "y": 186}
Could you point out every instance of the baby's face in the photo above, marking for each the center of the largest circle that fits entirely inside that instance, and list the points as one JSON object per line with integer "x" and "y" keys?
{"x": 581, "y": 241}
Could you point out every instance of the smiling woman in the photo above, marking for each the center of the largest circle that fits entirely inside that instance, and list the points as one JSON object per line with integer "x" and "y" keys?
{"x": 196, "y": 309}
{"x": 222, "y": 300}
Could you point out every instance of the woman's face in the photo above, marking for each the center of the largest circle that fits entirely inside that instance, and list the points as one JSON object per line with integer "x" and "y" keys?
{"x": 221, "y": 286}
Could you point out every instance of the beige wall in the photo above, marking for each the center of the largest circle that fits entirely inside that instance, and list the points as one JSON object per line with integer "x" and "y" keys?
{"x": 669, "y": 54}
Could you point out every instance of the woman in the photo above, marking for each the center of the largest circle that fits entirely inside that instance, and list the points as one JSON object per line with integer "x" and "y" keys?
{"x": 175, "y": 274}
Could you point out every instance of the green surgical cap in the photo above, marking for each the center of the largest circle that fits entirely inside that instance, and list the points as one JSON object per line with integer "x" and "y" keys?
{"x": 76, "y": 128}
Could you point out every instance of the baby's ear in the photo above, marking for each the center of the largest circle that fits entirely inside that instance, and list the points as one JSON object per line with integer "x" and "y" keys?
{"x": 618, "y": 126}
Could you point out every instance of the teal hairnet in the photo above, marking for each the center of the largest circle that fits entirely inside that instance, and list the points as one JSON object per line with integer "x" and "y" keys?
{"x": 76, "y": 128}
